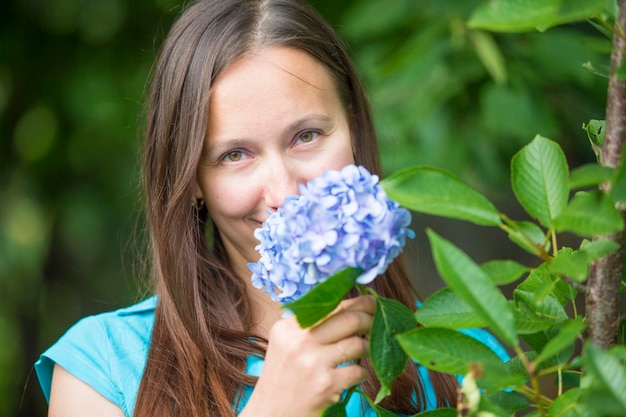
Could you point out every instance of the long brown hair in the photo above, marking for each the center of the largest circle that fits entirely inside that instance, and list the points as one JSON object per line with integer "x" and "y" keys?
{"x": 202, "y": 331}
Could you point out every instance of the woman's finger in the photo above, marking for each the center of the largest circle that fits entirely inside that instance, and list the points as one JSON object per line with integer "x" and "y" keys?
{"x": 349, "y": 376}
{"x": 346, "y": 350}
{"x": 342, "y": 325}
{"x": 344, "y": 378}
{"x": 364, "y": 303}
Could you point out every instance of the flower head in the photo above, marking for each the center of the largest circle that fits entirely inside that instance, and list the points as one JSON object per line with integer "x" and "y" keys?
{"x": 341, "y": 219}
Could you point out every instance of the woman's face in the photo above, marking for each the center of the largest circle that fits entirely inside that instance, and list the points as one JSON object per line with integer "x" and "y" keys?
{"x": 275, "y": 121}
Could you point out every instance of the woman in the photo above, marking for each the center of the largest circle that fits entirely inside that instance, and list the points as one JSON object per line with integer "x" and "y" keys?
{"x": 249, "y": 98}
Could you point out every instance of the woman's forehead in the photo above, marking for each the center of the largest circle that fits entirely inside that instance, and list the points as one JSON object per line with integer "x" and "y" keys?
{"x": 273, "y": 84}
{"x": 293, "y": 62}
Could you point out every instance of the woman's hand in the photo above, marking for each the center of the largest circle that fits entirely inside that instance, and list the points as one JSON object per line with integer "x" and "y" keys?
{"x": 301, "y": 376}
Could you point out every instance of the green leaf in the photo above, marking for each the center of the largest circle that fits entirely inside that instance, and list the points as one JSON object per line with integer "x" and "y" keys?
{"x": 570, "y": 378}
{"x": 517, "y": 367}
{"x": 489, "y": 54}
{"x": 453, "y": 352}
{"x": 565, "y": 339}
{"x": 336, "y": 410}
{"x": 601, "y": 71}
{"x": 324, "y": 297}
{"x": 504, "y": 272}
{"x": 575, "y": 264}
{"x": 602, "y": 403}
{"x": 508, "y": 400}
{"x": 439, "y": 412}
{"x": 540, "y": 279}
{"x": 445, "y": 309}
{"x": 365, "y": 19}
{"x": 595, "y": 132}
{"x": 539, "y": 179}
{"x": 568, "y": 404}
{"x": 545, "y": 290}
{"x": 474, "y": 287}
{"x": 619, "y": 352}
{"x": 597, "y": 249}
{"x": 528, "y": 236}
{"x": 487, "y": 407}
{"x": 549, "y": 310}
{"x": 590, "y": 175}
{"x": 526, "y": 15}
{"x": 595, "y": 128}
{"x": 601, "y": 28}
{"x": 388, "y": 359}
{"x": 609, "y": 378}
{"x": 618, "y": 191}
{"x": 527, "y": 322}
{"x": 590, "y": 214}
{"x": 380, "y": 412}
{"x": 434, "y": 191}
{"x": 570, "y": 263}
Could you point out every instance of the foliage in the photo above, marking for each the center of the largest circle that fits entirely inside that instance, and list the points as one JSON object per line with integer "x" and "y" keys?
{"x": 537, "y": 315}
{"x": 458, "y": 97}
{"x": 72, "y": 75}
{"x": 540, "y": 323}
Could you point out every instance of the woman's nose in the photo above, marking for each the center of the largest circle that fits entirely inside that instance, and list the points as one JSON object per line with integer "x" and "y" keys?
{"x": 282, "y": 180}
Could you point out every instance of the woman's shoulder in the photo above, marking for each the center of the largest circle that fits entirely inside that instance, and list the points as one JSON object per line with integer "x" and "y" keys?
{"x": 108, "y": 351}
{"x": 138, "y": 318}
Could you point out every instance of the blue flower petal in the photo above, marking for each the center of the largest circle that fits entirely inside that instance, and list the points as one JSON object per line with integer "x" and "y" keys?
{"x": 341, "y": 219}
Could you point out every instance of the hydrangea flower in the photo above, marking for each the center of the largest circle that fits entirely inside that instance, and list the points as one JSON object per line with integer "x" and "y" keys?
{"x": 341, "y": 219}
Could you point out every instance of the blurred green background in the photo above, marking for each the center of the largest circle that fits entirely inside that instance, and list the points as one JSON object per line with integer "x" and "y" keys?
{"x": 72, "y": 86}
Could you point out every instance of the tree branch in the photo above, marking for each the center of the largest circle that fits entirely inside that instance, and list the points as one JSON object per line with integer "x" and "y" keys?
{"x": 602, "y": 297}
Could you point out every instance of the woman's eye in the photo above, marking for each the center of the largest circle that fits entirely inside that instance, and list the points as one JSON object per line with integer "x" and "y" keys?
{"x": 308, "y": 136}
{"x": 233, "y": 156}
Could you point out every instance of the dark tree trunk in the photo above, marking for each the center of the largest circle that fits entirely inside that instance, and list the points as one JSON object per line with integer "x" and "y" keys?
{"x": 603, "y": 296}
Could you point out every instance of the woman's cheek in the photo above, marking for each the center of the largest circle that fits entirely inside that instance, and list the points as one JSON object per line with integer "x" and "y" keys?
{"x": 236, "y": 196}
{"x": 330, "y": 161}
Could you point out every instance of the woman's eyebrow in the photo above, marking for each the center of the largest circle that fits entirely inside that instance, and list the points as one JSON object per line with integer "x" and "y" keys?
{"x": 307, "y": 120}
{"x": 224, "y": 145}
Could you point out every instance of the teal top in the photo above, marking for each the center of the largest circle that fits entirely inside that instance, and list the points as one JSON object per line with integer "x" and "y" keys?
{"x": 108, "y": 351}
